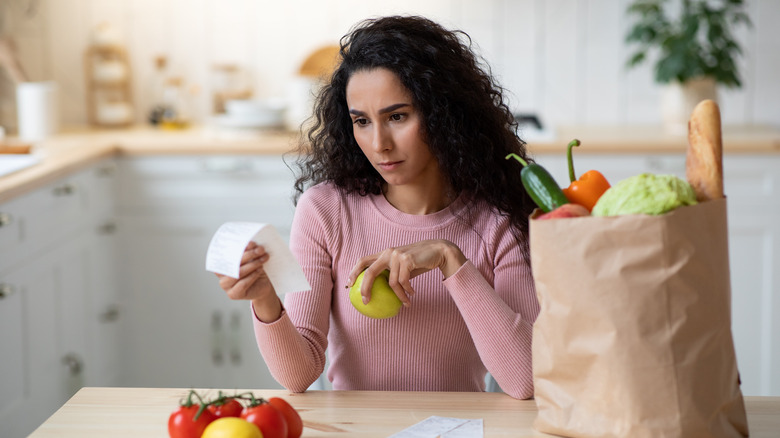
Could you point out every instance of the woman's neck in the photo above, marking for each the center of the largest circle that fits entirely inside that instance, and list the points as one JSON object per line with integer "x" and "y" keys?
{"x": 418, "y": 199}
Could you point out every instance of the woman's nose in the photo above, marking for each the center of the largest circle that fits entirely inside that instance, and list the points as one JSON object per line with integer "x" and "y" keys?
{"x": 381, "y": 140}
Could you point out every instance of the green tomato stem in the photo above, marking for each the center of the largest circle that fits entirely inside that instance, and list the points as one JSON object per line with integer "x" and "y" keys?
{"x": 202, "y": 407}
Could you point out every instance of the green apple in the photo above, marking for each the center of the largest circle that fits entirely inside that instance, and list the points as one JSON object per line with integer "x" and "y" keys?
{"x": 384, "y": 302}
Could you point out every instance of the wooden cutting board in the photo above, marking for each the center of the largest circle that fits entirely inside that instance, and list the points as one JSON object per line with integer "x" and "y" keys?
{"x": 321, "y": 62}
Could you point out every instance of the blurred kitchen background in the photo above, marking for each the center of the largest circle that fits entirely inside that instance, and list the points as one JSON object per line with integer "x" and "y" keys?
{"x": 561, "y": 59}
{"x": 105, "y": 220}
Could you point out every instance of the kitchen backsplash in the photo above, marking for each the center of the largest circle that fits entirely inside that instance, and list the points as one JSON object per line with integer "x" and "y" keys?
{"x": 564, "y": 59}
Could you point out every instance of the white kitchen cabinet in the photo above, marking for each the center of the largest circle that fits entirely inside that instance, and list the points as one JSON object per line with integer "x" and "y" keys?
{"x": 16, "y": 400}
{"x": 181, "y": 328}
{"x": 752, "y": 185}
{"x": 35, "y": 371}
{"x": 46, "y": 279}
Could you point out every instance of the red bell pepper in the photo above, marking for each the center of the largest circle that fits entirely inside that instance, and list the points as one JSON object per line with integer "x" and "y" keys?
{"x": 589, "y": 188}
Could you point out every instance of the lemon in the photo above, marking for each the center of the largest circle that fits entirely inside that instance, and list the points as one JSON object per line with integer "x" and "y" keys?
{"x": 231, "y": 427}
{"x": 384, "y": 302}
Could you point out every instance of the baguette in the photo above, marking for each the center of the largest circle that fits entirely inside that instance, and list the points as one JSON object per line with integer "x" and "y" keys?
{"x": 704, "y": 158}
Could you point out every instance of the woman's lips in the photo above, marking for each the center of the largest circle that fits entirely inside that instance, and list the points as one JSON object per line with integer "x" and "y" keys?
{"x": 389, "y": 165}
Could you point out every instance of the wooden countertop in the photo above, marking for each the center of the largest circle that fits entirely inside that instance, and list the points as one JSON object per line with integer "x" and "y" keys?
{"x": 136, "y": 412}
{"x": 77, "y": 148}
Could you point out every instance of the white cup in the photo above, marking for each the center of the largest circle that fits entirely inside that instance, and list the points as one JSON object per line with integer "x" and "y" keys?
{"x": 37, "y": 110}
{"x": 300, "y": 94}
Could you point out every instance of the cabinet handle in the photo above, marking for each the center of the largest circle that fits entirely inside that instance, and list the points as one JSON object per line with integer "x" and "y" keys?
{"x": 107, "y": 228}
{"x": 110, "y": 315}
{"x": 64, "y": 190}
{"x": 6, "y": 290}
{"x": 5, "y": 219}
{"x": 235, "y": 333}
{"x": 217, "y": 356}
{"x": 74, "y": 363}
{"x": 106, "y": 170}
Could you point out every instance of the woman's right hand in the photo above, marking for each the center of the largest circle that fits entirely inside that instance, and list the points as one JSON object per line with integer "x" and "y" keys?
{"x": 253, "y": 284}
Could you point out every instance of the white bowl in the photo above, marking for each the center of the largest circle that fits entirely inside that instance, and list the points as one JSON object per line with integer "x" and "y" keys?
{"x": 252, "y": 114}
{"x": 253, "y": 106}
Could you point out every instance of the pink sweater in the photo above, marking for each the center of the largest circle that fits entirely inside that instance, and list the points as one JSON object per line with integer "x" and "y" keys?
{"x": 478, "y": 319}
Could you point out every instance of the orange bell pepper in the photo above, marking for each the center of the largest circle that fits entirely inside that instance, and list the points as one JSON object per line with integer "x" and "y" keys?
{"x": 589, "y": 188}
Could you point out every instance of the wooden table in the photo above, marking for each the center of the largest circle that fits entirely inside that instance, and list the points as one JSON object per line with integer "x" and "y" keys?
{"x": 143, "y": 412}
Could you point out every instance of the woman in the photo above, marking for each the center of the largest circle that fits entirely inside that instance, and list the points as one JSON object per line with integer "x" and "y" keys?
{"x": 405, "y": 168}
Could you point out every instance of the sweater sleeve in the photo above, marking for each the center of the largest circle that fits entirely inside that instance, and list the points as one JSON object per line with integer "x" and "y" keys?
{"x": 500, "y": 316}
{"x": 294, "y": 346}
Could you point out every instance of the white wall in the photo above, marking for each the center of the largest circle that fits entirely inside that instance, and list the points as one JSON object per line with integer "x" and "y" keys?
{"x": 563, "y": 58}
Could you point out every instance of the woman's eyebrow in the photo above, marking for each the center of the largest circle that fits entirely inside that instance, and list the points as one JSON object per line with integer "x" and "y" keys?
{"x": 387, "y": 109}
{"x": 392, "y": 108}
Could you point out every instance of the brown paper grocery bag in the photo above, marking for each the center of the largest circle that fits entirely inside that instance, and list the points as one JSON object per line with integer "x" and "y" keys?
{"x": 634, "y": 334}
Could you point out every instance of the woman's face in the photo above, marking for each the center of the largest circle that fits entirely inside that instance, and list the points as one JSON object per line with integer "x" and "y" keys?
{"x": 388, "y": 128}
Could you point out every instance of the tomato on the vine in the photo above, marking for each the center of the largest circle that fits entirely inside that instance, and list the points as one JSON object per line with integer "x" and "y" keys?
{"x": 270, "y": 421}
{"x": 230, "y": 407}
{"x": 294, "y": 422}
{"x": 182, "y": 422}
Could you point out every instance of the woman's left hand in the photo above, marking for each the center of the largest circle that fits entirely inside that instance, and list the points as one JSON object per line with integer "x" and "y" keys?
{"x": 406, "y": 262}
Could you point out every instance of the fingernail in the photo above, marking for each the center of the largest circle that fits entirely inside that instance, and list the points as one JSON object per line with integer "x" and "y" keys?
{"x": 365, "y": 301}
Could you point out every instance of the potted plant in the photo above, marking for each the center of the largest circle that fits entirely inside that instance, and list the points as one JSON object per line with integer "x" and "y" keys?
{"x": 695, "y": 48}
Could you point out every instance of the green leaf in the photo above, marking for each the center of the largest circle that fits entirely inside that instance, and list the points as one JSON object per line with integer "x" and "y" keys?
{"x": 642, "y": 34}
{"x": 637, "y": 58}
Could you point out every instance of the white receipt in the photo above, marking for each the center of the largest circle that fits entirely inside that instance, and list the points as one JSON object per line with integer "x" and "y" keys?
{"x": 443, "y": 427}
{"x": 228, "y": 244}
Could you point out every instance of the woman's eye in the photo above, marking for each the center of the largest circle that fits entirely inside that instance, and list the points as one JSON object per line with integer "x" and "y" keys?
{"x": 397, "y": 117}
{"x": 360, "y": 122}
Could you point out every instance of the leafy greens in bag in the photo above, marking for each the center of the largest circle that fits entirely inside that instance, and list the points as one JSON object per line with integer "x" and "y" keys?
{"x": 645, "y": 194}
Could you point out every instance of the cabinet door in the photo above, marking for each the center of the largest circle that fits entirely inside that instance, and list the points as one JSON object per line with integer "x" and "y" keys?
{"x": 60, "y": 212}
{"x": 256, "y": 188}
{"x": 752, "y": 185}
{"x": 50, "y": 216}
{"x": 236, "y": 359}
{"x": 755, "y": 246}
{"x": 181, "y": 328}
{"x": 164, "y": 304}
{"x": 36, "y": 388}
{"x": 102, "y": 313}
{"x": 179, "y": 331}
{"x": 14, "y": 381}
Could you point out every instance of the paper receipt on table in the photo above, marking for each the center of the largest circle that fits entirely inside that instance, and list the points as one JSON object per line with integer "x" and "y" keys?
{"x": 228, "y": 244}
{"x": 443, "y": 427}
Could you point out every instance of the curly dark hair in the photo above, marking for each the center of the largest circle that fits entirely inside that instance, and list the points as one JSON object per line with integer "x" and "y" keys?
{"x": 467, "y": 125}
